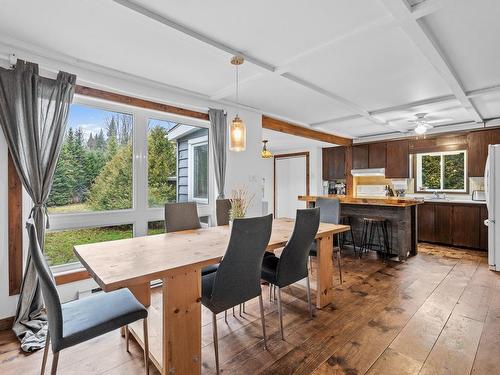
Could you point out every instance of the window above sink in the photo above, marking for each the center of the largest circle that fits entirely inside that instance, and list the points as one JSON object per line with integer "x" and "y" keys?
{"x": 441, "y": 172}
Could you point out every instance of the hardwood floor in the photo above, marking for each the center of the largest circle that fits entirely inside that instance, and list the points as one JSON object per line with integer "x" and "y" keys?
{"x": 437, "y": 313}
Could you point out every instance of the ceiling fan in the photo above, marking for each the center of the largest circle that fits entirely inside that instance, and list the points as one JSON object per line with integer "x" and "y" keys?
{"x": 423, "y": 124}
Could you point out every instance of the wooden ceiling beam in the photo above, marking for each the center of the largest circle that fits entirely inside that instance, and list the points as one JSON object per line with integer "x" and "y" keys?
{"x": 136, "y": 102}
{"x": 300, "y": 131}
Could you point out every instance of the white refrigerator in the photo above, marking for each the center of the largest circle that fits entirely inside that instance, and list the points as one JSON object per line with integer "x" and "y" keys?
{"x": 492, "y": 191}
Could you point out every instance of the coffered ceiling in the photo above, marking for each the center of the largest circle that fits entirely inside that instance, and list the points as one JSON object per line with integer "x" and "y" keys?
{"x": 349, "y": 67}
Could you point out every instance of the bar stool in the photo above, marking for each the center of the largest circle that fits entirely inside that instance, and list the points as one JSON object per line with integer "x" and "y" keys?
{"x": 346, "y": 220}
{"x": 375, "y": 226}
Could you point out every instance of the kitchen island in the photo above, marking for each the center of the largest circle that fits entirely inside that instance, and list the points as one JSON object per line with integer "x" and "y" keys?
{"x": 401, "y": 214}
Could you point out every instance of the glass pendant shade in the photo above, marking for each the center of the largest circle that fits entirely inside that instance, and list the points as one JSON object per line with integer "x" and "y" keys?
{"x": 237, "y": 135}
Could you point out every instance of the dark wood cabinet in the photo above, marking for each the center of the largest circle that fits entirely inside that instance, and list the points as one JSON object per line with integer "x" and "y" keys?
{"x": 426, "y": 222}
{"x": 465, "y": 224}
{"x": 478, "y": 152}
{"x": 397, "y": 163}
{"x": 483, "y": 229}
{"x": 443, "y": 223}
{"x": 333, "y": 163}
{"x": 453, "y": 224}
{"x": 360, "y": 157}
{"x": 377, "y": 155}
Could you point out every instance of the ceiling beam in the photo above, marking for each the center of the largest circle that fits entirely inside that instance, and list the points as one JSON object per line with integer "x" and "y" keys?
{"x": 402, "y": 107}
{"x": 268, "y": 67}
{"x": 300, "y": 131}
{"x": 192, "y": 33}
{"x": 417, "y": 32}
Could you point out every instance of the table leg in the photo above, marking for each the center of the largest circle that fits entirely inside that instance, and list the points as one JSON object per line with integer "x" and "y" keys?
{"x": 182, "y": 323}
{"x": 142, "y": 292}
{"x": 324, "y": 285}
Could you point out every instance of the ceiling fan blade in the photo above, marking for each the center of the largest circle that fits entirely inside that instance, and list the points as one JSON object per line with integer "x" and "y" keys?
{"x": 439, "y": 121}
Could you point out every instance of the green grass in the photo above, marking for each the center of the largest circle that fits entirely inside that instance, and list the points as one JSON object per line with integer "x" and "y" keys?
{"x": 59, "y": 244}
{"x": 69, "y": 208}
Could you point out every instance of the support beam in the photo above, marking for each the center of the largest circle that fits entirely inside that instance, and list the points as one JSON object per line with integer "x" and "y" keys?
{"x": 300, "y": 131}
{"x": 268, "y": 67}
{"x": 136, "y": 102}
{"x": 194, "y": 34}
{"x": 417, "y": 32}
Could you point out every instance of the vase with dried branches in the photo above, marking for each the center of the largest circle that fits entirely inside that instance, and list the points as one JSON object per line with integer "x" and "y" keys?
{"x": 240, "y": 200}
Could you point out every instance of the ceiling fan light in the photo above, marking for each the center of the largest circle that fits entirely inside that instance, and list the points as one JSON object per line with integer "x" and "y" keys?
{"x": 237, "y": 135}
{"x": 421, "y": 129}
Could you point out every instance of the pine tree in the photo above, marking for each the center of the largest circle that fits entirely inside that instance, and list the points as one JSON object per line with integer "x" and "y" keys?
{"x": 91, "y": 142}
{"x": 80, "y": 188}
{"x": 62, "y": 187}
{"x": 161, "y": 166}
{"x": 100, "y": 142}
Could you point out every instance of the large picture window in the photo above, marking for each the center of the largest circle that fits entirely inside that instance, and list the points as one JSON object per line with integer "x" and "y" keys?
{"x": 442, "y": 171}
{"x": 118, "y": 166}
{"x": 94, "y": 170}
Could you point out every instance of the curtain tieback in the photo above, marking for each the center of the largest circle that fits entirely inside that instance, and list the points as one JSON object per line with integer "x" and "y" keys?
{"x": 42, "y": 206}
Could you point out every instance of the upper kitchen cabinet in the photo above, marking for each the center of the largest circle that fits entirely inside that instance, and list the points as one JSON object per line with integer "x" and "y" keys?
{"x": 333, "y": 163}
{"x": 478, "y": 151}
{"x": 377, "y": 155}
{"x": 397, "y": 163}
{"x": 360, "y": 157}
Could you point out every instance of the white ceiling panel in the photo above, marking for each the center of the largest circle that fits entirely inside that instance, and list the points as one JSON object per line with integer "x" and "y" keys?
{"x": 468, "y": 34}
{"x": 279, "y": 96}
{"x": 110, "y": 35}
{"x": 376, "y": 70}
{"x": 356, "y": 128}
{"x": 275, "y": 31}
{"x": 488, "y": 105}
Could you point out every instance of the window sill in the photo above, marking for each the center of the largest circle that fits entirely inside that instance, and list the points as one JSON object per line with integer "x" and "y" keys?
{"x": 71, "y": 276}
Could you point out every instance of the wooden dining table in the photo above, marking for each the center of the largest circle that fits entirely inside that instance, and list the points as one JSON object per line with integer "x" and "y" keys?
{"x": 177, "y": 259}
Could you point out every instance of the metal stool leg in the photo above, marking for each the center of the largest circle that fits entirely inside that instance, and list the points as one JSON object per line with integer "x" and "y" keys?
{"x": 262, "y": 319}
{"x": 216, "y": 341}
{"x": 280, "y": 313}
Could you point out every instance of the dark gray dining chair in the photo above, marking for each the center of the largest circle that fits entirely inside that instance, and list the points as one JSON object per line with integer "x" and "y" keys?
{"x": 237, "y": 279}
{"x": 184, "y": 216}
{"x": 222, "y": 208}
{"x": 291, "y": 266}
{"x": 78, "y": 321}
{"x": 329, "y": 213}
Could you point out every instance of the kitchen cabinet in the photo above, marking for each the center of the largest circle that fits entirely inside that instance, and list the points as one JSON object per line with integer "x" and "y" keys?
{"x": 360, "y": 157}
{"x": 443, "y": 223}
{"x": 397, "y": 163}
{"x": 333, "y": 163}
{"x": 465, "y": 224}
{"x": 377, "y": 155}
{"x": 426, "y": 220}
{"x": 478, "y": 151}
{"x": 453, "y": 224}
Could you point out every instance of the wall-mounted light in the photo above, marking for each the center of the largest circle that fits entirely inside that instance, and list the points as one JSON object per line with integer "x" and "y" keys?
{"x": 237, "y": 129}
{"x": 266, "y": 154}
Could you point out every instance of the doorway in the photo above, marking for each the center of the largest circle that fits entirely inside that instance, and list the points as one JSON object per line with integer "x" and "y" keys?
{"x": 291, "y": 179}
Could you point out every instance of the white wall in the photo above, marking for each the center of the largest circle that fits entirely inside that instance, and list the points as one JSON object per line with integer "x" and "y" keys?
{"x": 243, "y": 168}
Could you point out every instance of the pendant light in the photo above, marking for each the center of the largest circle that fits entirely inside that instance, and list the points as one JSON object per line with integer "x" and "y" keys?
{"x": 237, "y": 130}
{"x": 266, "y": 154}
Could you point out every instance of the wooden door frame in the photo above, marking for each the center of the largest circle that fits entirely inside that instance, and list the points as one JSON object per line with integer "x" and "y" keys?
{"x": 291, "y": 155}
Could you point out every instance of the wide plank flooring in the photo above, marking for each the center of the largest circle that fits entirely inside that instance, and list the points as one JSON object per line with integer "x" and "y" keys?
{"x": 437, "y": 313}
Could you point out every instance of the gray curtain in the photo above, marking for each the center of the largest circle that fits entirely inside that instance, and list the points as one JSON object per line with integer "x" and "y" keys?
{"x": 33, "y": 116}
{"x": 218, "y": 131}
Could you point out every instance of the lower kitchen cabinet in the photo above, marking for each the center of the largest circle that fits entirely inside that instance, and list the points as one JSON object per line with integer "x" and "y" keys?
{"x": 453, "y": 224}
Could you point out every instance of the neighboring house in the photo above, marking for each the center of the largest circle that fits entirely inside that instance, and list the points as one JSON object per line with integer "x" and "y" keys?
{"x": 192, "y": 163}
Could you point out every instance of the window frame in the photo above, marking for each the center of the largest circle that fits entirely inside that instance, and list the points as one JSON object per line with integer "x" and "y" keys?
{"x": 192, "y": 143}
{"x": 442, "y": 154}
{"x": 140, "y": 213}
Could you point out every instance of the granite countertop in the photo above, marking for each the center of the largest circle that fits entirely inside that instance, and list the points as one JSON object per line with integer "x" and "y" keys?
{"x": 380, "y": 201}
